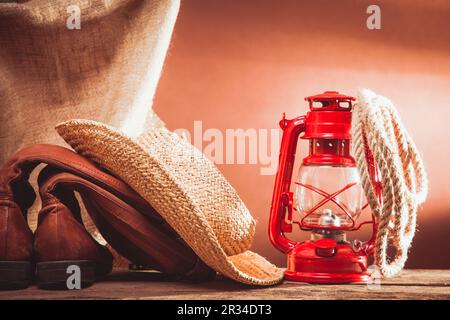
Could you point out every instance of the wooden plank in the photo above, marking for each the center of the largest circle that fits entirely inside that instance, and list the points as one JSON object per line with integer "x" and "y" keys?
{"x": 411, "y": 284}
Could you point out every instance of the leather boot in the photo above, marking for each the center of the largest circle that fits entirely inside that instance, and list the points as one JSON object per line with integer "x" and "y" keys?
{"x": 61, "y": 243}
{"x": 123, "y": 217}
{"x": 127, "y": 222}
{"x": 16, "y": 246}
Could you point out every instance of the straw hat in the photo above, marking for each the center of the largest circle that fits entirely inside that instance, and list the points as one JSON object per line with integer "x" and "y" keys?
{"x": 187, "y": 190}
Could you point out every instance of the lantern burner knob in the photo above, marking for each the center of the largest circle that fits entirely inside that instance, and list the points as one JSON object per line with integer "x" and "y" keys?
{"x": 325, "y": 247}
{"x": 329, "y": 219}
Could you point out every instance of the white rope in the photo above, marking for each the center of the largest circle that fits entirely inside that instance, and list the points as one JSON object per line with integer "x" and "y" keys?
{"x": 403, "y": 177}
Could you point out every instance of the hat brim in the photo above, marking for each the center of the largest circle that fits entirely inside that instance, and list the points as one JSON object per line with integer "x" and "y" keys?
{"x": 138, "y": 164}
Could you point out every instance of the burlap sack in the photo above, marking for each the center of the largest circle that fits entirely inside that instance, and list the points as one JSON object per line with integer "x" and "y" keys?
{"x": 107, "y": 70}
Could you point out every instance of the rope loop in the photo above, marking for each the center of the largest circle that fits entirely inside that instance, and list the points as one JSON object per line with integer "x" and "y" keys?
{"x": 377, "y": 125}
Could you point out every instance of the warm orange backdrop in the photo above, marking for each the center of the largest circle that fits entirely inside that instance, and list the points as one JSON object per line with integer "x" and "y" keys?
{"x": 240, "y": 64}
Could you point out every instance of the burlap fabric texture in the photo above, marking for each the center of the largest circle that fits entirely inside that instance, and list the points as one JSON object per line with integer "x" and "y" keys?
{"x": 107, "y": 70}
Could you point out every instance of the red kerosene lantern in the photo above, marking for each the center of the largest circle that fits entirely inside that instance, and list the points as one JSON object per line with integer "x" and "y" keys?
{"x": 328, "y": 197}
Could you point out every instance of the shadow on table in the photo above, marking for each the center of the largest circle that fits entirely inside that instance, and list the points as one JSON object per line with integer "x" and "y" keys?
{"x": 219, "y": 283}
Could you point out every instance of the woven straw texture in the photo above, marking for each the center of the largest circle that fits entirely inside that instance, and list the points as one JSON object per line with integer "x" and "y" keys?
{"x": 185, "y": 188}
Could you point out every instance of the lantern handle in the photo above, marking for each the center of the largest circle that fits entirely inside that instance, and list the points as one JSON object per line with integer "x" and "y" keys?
{"x": 281, "y": 199}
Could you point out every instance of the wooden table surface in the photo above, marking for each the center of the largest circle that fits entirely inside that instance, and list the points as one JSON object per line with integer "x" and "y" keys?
{"x": 411, "y": 284}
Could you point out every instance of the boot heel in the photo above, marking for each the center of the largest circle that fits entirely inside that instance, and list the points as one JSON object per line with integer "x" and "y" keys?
{"x": 14, "y": 274}
{"x": 63, "y": 274}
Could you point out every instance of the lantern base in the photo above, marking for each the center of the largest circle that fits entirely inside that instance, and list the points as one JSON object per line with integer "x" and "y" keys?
{"x": 326, "y": 261}
{"x": 326, "y": 277}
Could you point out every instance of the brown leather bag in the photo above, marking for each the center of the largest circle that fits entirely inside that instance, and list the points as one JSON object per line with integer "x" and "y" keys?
{"x": 129, "y": 224}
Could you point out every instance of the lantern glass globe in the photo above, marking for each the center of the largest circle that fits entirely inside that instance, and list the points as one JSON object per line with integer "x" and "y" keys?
{"x": 328, "y": 196}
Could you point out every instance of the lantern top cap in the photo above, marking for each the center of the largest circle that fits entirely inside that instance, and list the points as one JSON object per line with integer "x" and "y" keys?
{"x": 330, "y": 95}
{"x": 330, "y": 100}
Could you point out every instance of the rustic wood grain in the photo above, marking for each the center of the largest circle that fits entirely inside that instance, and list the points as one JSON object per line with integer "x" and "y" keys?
{"x": 411, "y": 284}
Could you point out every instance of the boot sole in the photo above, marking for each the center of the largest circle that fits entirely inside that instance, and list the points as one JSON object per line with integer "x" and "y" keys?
{"x": 62, "y": 275}
{"x": 15, "y": 275}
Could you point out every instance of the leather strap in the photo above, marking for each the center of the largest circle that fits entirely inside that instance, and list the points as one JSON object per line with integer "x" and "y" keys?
{"x": 16, "y": 171}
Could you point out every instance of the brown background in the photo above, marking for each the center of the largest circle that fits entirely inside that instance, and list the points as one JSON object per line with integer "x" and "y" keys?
{"x": 240, "y": 64}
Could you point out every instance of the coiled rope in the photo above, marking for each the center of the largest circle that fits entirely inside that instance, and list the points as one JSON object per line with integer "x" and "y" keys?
{"x": 376, "y": 125}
